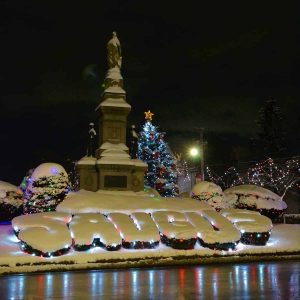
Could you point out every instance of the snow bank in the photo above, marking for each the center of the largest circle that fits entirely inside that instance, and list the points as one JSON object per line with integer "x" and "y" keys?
{"x": 127, "y": 202}
{"x": 285, "y": 239}
{"x": 10, "y": 201}
{"x": 137, "y": 228}
{"x": 248, "y": 221}
{"x": 85, "y": 228}
{"x": 255, "y": 196}
{"x": 210, "y": 193}
{"x": 46, "y": 232}
{"x": 214, "y": 228}
{"x": 174, "y": 225}
{"x": 7, "y": 187}
{"x": 48, "y": 169}
{"x": 10, "y": 194}
{"x": 206, "y": 187}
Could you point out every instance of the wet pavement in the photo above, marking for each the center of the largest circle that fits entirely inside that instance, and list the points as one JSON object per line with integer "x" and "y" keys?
{"x": 272, "y": 280}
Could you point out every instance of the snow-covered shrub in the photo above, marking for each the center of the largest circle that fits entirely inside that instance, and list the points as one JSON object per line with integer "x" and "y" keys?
{"x": 256, "y": 198}
{"x": 211, "y": 194}
{"x": 10, "y": 201}
{"x": 47, "y": 187}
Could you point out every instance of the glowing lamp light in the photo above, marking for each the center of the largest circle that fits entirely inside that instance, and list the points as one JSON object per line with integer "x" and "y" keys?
{"x": 194, "y": 152}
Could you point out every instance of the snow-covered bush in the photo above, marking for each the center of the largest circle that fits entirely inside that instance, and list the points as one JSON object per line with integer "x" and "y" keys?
{"x": 211, "y": 194}
{"x": 10, "y": 201}
{"x": 47, "y": 187}
{"x": 256, "y": 198}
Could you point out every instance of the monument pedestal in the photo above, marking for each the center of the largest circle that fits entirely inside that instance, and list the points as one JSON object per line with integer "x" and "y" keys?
{"x": 88, "y": 175}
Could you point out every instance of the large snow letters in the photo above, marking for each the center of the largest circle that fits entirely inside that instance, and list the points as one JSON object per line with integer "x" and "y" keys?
{"x": 52, "y": 234}
{"x": 44, "y": 234}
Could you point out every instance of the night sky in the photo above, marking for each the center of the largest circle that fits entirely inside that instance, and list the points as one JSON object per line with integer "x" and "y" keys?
{"x": 193, "y": 65}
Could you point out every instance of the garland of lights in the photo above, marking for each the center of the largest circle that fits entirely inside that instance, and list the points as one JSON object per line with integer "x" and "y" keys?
{"x": 140, "y": 245}
{"x": 247, "y": 238}
{"x": 96, "y": 243}
{"x": 219, "y": 246}
{"x": 162, "y": 173}
{"x": 255, "y": 238}
{"x": 180, "y": 244}
{"x": 34, "y": 252}
{"x": 278, "y": 177}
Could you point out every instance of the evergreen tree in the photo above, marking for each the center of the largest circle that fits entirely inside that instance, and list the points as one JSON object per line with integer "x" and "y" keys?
{"x": 162, "y": 170}
{"x": 271, "y": 136}
{"x": 46, "y": 188}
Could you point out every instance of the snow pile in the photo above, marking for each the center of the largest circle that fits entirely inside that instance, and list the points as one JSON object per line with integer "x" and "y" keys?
{"x": 248, "y": 221}
{"x": 285, "y": 240}
{"x": 47, "y": 232}
{"x": 139, "y": 229}
{"x": 10, "y": 201}
{"x": 257, "y": 198}
{"x": 46, "y": 188}
{"x": 126, "y": 202}
{"x": 87, "y": 160}
{"x": 174, "y": 224}
{"x": 48, "y": 170}
{"x": 210, "y": 193}
{"x": 86, "y": 228}
{"x": 214, "y": 230}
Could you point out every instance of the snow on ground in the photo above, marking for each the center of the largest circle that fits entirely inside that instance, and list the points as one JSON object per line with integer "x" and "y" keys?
{"x": 285, "y": 238}
{"x": 115, "y": 201}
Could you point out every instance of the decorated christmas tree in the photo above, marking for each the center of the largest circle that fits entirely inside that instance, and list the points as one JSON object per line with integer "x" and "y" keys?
{"x": 46, "y": 188}
{"x": 152, "y": 149}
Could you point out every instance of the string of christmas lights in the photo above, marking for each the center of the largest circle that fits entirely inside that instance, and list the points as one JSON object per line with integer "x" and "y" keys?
{"x": 162, "y": 171}
{"x": 275, "y": 176}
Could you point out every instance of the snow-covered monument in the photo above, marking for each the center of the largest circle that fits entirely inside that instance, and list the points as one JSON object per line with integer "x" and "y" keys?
{"x": 111, "y": 167}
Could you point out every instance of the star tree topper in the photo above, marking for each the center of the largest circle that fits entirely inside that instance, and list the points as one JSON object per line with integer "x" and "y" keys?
{"x": 148, "y": 115}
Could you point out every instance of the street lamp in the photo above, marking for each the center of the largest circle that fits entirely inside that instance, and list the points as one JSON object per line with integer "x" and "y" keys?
{"x": 194, "y": 152}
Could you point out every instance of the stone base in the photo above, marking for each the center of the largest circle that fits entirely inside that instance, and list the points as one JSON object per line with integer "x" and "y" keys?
{"x": 94, "y": 176}
{"x": 88, "y": 175}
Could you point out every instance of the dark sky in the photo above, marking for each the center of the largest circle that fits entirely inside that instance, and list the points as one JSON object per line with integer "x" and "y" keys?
{"x": 193, "y": 65}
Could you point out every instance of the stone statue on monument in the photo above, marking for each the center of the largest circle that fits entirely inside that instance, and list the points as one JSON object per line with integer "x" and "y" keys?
{"x": 114, "y": 57}
{"x": 134, "y": 138}
{"x": 91, "y": 142}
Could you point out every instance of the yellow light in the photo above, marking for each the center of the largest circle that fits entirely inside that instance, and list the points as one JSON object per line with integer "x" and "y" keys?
{"x": 194, "y": 152}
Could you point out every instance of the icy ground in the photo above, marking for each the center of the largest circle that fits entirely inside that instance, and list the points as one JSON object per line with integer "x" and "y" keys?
{"x": 285, "y": 239}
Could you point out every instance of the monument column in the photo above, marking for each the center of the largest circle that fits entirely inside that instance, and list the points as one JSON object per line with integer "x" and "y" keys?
{"x": 113, "y": 108}
{"x": 112, "y": 168}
